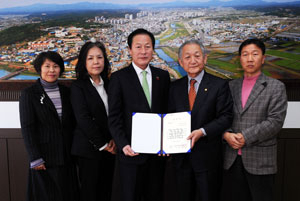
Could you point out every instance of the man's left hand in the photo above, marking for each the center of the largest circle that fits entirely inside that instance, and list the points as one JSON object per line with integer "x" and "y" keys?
{"x": 194, "y": 136}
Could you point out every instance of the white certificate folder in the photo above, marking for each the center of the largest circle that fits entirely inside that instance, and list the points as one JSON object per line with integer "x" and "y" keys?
{"x": 161, "y": 133}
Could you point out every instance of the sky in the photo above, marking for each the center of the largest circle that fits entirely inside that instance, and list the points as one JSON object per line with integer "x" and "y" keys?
{"x": 15, "y": 3}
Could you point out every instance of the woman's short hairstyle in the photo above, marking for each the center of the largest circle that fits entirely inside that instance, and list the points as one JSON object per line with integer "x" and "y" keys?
{"x": 50, "y": 55}
{"x": 81, "y": 71}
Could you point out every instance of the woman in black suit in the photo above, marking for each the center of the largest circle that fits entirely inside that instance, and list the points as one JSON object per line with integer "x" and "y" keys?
{"x": 92, "y": 142}
{"x": 47, "y": 124}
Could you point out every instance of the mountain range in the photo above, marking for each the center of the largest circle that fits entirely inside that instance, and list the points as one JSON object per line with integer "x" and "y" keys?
{"x": 39, "y": 8}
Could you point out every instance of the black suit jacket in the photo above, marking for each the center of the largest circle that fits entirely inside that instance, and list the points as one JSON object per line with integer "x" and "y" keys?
{"x": 45, "y": 135}
{"x": 125, "y": 96}
{"x": 91, "y": 131}
{"x": 212, "y": 111}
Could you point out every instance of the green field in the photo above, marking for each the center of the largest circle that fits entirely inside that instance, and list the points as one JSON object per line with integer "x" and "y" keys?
{"x": 295, "y": 65}
{"x": 180, "y": 32}
{"x": 283, "y": 54}
{"x": 30, "y": 73}
{"x": 171, "y": 52}
{"x": 179, "y": 25}
{"x": 296, "y": 49}
{"x": 168, "y": 32}
{"x": 7, "y": 68}
{"x": 219, "y": 54}
{"x": 287, "y": 44}
{"x": 223, "y": 65}
{"x": 267, "y": 73}
{"x": 288, "y": 60}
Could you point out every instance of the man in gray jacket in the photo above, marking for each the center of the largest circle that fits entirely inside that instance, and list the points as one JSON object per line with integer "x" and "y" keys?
{"x": 260, "y": 105}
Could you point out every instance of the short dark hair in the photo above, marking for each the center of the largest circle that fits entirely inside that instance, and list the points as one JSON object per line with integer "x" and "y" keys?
{"x": 254, "y": 41}
{"x": 81, "y": 71}
{"x": 140, "y": 32}
{"x": 53, "y": 56}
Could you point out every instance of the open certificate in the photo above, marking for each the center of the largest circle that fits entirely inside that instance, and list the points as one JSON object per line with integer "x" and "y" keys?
{"x": 161, "y": 133}
{"x": 176, "y": 128}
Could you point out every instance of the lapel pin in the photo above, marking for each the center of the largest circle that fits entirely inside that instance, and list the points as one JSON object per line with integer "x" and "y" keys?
{"x": 205, "y": 89}
{"x": 157, "y": 78}
{"x": 42, "y": 99}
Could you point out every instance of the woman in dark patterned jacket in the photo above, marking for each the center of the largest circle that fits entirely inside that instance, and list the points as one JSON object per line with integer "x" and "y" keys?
{"x": 47, "y": 124}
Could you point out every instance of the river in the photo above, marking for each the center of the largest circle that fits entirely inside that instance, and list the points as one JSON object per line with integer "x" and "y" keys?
{"x": 3, "y": 72}
{"x": 173, "y": 26}
{"x": 18, "y": 77}
{"x": 159, "y": 52}
{"x": 24, "y": 77}
{"x": 167, "y": 58}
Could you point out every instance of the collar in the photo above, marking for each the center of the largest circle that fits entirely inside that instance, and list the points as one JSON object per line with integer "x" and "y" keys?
{"x": 138, "y": 70}
{"x": 198, "y": 78}
{"x": 252, "y": 78}
{"x": 48, "y": 85}
{"x": 94, "y": 84}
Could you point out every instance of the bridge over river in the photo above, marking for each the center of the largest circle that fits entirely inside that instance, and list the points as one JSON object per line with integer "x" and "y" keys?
{"x": 13, "y": 74}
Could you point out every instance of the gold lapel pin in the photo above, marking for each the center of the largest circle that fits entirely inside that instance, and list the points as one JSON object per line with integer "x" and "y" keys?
{"x": 205, "y": 89}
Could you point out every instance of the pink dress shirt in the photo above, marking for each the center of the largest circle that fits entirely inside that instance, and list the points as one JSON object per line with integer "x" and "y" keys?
{"x": 248, "y": 84}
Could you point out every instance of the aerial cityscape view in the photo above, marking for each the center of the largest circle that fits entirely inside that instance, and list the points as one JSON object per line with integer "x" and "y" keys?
{"x": 220, "y": 28}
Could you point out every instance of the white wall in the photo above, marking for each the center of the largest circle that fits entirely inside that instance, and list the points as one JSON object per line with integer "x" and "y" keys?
{"x": 292, "y": 119}
{"x": 9, "y": 115}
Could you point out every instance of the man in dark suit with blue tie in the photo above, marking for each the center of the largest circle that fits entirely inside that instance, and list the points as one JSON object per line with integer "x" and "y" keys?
{"x": 137, "y": 88}
{"x": 208, "y": 97}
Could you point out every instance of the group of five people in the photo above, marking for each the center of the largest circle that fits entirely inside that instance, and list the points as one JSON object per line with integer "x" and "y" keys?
{"x": 233, "y": 123}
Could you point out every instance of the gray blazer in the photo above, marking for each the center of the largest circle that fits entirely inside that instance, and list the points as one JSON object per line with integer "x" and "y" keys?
{"x": 259, "y": 121}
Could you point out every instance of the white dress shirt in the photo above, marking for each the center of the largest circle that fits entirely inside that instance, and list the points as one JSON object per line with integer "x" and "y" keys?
{"x": 139, "y": 73}
{"x": 198, "y": 79}
{"x": 102, "y": 93}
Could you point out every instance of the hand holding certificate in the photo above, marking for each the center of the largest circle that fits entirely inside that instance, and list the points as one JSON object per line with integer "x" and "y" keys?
{"x": 161, "y": 134}
{"x": 176, "y": 129}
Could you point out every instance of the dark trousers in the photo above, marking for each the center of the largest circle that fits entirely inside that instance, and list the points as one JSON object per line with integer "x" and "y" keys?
{"x": 142, "y": 181}
{"x": 201, "y": 186}
{"x": 96, "y": 176}
{"x": 239, "y": 185}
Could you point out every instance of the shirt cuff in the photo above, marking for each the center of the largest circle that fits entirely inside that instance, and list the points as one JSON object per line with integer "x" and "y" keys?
{"x": 36, "y": 163}
{"x": 203, "y": 131}
{"x": 103, "y": 147}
